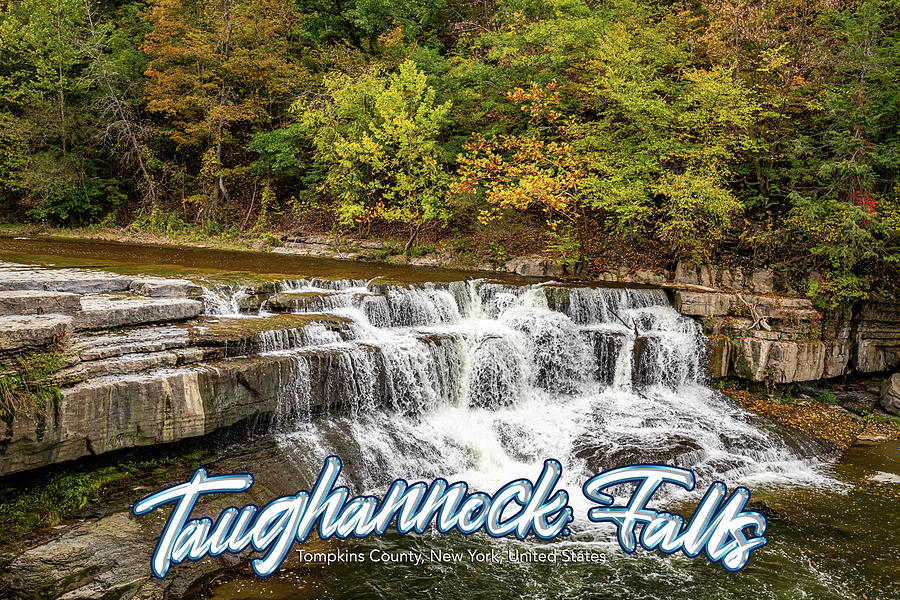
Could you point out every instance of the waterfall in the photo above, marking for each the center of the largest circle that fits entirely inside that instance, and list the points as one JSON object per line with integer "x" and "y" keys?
{"x": 482, "y": 381}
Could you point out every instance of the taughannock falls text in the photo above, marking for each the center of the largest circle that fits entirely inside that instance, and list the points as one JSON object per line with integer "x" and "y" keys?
{"x": 719, "y": 527}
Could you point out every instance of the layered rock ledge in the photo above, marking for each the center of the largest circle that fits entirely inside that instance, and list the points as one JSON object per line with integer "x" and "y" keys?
{"x": 785, "y": 340}
{"x": 138, "y": 363}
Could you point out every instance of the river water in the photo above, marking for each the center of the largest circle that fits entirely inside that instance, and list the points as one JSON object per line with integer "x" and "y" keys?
{"x": 482, "y": 380}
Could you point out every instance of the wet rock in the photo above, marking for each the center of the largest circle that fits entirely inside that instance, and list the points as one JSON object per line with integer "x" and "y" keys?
{"x": 102, "y": 559}
{"x": 286, "y": 301}
{"x": 890, "y": 394}
{"x": 109, "y": 559}
{"x": 78, "y": 281}
{"x": 243, "y": 336}
{"x": 639, "y": 351}
{"x": 29, "y": 331}
{"x": 158, "y": 287}
{"x": 108, "y": 311}
{"x": 557, "y": 298}
{"x": 38, "y": 302}
{"x": 719, "y": 357}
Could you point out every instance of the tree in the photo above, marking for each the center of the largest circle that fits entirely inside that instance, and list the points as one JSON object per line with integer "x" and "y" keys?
{"x": 537, "y": 169}
{"x": 377, "y": 137}
{"x": 217, "y": 66}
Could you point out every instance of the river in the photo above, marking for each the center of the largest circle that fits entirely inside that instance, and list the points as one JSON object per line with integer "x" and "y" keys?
{"x": 481, "y": 380}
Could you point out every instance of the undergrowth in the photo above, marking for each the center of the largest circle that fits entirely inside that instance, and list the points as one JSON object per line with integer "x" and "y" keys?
{"x": 26, "y": 384}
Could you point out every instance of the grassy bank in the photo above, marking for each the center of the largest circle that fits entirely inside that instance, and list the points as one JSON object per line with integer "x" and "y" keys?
{"x": 34, "y": 503}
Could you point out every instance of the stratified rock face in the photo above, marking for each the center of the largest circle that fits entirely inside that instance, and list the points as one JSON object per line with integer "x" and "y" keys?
{"x": 877, "y": 337}
{"x": 115, "y": 412}
{"x": 76, "y": 281}
{"x": 33, "y": 331}
{"x": 778, "y": 361}
{"x": 764, "y": 338}
{"x": 759, "y": 281}
{"x": 108, "y": 311}
{"x": 38, "y": 302}
{"x": 147, "y": 370}
{"x": 768, "y": 338}
{"x": 697, "y": 304}
{"x": 890, "y": 394}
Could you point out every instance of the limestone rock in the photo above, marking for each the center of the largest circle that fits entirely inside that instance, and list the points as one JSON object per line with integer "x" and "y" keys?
{"x": 97, "y": 346}
{"x": 38, "y": 302}
{"x": 305, "y": 301}
{"x": 78, "y": 281}
{"x": 110, "y": 413}
{"x": 535, "y": 265}
{"x": 104, "y": 312}
{"x": 690, "y": 274}
{"x": 158, "y": 287}
{"x": 29, "y": 331}
{"x": 890, "y": 394}
{"x": 430, "y": 260}
{"x": 719, "y": 357}
{"x": 128, "y": 364}
{"x": 762, "y": 281}
{"x": 649, "y": 278}
{"x": 699, "y": 304}
{"x": 877, "y": 337}
{"x": 778, "y": 361}
{"x": 108, "y": 558}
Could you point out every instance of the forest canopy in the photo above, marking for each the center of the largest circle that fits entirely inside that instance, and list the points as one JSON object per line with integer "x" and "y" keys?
{"x": 760, "y": 132}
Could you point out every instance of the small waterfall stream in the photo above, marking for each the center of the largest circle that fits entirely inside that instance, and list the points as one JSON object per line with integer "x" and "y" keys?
{"x": 482, "y": 381}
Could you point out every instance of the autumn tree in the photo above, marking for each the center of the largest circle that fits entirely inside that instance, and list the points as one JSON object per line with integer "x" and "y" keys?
{"x": 537, "y": 169}
{"x": 217, "y": 66}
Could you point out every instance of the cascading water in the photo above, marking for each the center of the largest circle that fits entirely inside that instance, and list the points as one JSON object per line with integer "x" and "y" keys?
{"x": 483, "y": 381}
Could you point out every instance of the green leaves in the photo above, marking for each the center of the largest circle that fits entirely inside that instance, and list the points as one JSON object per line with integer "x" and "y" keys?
{"x": 378, "y": 139}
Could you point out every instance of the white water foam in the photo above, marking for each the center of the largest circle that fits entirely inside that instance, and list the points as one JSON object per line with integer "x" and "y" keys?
{"x": 481, "y": 381}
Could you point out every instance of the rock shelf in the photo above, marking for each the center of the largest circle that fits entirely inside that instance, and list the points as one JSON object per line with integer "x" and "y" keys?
{"x": 140, "y": 363}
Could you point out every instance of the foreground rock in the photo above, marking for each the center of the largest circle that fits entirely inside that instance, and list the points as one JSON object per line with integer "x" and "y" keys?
{"x": 109, "y": 557}
{"x": 890, "y": 394}
{"x": 38, "y": 302}
{"x": 33, "y": 331}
